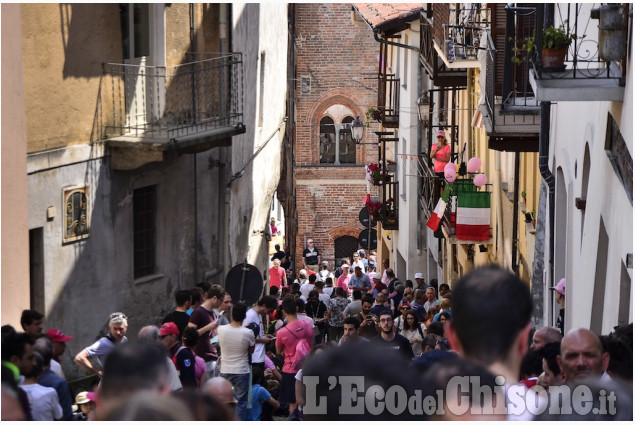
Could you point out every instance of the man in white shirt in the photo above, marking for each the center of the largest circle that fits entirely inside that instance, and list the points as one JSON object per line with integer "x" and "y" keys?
{"x": 253, "y": 319}
{"x": 236, "y": 345}
{"x": 308, "y": 286}
{"x": 357, "y": 262}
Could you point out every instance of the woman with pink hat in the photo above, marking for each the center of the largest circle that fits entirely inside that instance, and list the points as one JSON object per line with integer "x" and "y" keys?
{"x": 440, "y": 152}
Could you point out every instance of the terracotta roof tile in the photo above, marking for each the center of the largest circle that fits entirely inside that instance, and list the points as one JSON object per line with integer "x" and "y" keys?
{"x": 385, "y": 15}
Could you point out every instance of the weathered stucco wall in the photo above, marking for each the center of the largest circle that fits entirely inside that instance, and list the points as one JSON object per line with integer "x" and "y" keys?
{"x": 65, "y": 46}
{"x": 259, "y": 31}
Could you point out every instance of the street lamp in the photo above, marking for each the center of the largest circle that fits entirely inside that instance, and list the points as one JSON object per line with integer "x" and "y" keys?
{"x": 357, "y": 130}
{"x": 423, "y": 107}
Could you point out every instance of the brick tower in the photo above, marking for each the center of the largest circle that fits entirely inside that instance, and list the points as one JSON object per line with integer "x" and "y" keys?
{"x": 335, "y": 80}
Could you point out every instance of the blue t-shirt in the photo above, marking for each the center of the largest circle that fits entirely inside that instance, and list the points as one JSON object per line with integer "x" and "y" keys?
{"x": 259, "y": 395}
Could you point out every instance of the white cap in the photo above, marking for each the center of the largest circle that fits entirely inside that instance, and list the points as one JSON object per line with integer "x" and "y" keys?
{"x": 418, "y": 275}
{"x": 373, "y": 275}
{"x": 346, "y": 266}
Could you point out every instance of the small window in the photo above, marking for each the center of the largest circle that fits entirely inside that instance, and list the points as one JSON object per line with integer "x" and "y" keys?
{"x": 76, "y": 224}
{"x": 347, "y": 145}
{"x": 305, "y": 85}
{"x": 327, "y": 141}
{"x": 144, "y": 211}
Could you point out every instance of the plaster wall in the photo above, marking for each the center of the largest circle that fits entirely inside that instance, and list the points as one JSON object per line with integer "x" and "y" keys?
{"x": 606, "y": 200}
{"x": 260, "y": 31}
{"x": 15, "y": 235}
{"x": 410, "y": 231}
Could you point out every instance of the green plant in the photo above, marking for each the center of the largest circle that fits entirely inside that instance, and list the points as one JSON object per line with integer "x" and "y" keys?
{"x": 523, "y": 194}
{"x": 556, "y": 38}
{"x": 369, "y": 113}
{"x": 552, "y": 38}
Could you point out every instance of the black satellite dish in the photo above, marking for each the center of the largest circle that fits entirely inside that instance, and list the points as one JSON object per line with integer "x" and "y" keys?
{"x": 244, "y": 284}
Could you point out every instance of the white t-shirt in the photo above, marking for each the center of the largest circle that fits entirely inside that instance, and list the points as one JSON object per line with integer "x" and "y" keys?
{"x": 328, "y": 290}
{"x": 306, "y": 288}
{"x": 45, "y": 405}
{"x": 358, "y": 263}
{"x": 326, "y": 299}
{"x": 258, "y": 355}
{"x": 234, "y": 343}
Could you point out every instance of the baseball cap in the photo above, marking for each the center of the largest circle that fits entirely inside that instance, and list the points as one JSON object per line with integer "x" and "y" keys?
{"x": 58, "y": 336}
{"x": 441, "y": 133}
{"x": 560, "y": 287}
{"x": 346, "y": 266}
{"x": 418, "y": 275}
{"x": 169, "y": 328}
{"x": 361, "y": 252}
{"x": 374, "y": 275}
{"x": 325, "y": 263}
{"x": 83, "y": 397}
{"x": 303, "y": 272}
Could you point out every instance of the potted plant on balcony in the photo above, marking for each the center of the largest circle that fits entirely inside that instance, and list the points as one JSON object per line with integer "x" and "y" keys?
{"x": 376, "y": 176}
{"x": 390, "y": 219}
{"x": 555, "y": 43}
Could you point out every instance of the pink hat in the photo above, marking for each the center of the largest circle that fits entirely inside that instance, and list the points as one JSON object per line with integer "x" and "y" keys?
{"x": 560, "y": 287}
{"x": 441, "y": 133}
{"x": 169, "y": 328}
{"x": 58, "y": 336}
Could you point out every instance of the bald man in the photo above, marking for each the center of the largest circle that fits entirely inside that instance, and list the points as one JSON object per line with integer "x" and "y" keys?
{"x": 544, "y": 336}
{"x": 581, "y": 355}
{"x": 223, "y": 391}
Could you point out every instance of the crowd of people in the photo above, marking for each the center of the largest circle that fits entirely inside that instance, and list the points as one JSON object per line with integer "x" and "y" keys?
{"x": 215, "y": 359}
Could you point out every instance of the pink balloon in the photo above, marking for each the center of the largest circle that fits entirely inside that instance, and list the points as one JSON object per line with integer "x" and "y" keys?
{"x": 473, "y": 164}
{"x": 480, "y": 180}
{"x": 449, "y": 173}
{"x": 450, "y": 166}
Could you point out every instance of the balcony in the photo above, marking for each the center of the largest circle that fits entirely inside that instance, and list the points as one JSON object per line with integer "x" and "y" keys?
{"x": 464, "y": 194}
{"x": 592, "y": 70}
{"x": 388, "y": 100}
{"x": 434, "y": 66}
{"x": 510, "y": 110}
{"x": 150, "y": 113}
{"x": 390, "y": 205}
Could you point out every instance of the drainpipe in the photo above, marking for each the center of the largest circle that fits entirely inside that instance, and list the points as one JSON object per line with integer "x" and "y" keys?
{"x": 545, "y": 172}
{"x": 515, "y": 215}
{"x": 544, "y": 14}
{"x": 391, "y": 43}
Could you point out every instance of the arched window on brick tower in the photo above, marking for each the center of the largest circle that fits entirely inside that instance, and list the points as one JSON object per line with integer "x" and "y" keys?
{"x": 347, "y": 145}
{"x": 336, "y": 144}
{"x": 327, "y": 141}
{"x": 344, "y": 248}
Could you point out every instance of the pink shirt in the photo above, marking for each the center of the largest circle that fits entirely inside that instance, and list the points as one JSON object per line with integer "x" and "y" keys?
{"x": 342, "y": 282}
{"x": 288, "y": 336}
{"x": 439, "y": 165}
{"x": 276, "y": 276}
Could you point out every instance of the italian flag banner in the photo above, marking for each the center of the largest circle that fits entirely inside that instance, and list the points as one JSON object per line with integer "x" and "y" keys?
{"x": 473, "y": 216}
{"x": 437, "y": 215}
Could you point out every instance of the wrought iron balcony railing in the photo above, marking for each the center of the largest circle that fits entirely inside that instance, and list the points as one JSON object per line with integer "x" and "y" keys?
{"x": 390, "y": 205}
{"x": 435, "y": 67}
{"x": 430, "y": 186}
{"x": 462, "y": 32}
{"x": 168, "y": 104}
{"x": 591, "y": 71}
{"x": 388, "y": 100}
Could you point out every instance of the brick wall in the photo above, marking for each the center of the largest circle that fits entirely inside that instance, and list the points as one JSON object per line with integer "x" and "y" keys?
{"x": 340, "y": 59}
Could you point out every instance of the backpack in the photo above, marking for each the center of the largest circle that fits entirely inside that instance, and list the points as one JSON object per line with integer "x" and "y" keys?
{"x": 302, "y": 349}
